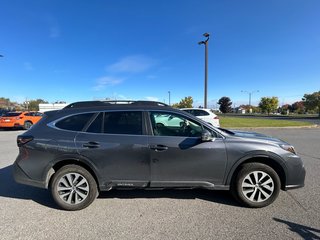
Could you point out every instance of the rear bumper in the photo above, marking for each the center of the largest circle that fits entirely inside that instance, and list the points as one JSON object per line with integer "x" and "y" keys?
{"x": 21, "y": 177}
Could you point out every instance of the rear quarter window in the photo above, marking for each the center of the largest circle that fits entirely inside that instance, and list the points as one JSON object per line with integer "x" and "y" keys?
{"x": 200, "y": 113}
{"x": 74, "y": 122}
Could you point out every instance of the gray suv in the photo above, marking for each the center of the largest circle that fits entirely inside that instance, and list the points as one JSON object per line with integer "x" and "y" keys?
{"x": 89, "y": 147}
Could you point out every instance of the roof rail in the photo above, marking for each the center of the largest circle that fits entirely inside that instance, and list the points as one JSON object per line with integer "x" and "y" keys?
{"x": 104, "y": 103}
{"x": 150, "y": 103}
{"x": 84, "y": 104}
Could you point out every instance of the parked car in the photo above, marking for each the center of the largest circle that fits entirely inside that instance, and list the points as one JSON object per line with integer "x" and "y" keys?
{"x": 3, "y": 112}
{"x": 205, "y": 114}
{"x": 168, "y": 120}
{"x": 19, "y": 119}
{"x": 87, "y": 147}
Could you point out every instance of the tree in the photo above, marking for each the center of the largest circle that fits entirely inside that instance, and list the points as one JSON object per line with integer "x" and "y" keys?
{"x": 312, "y": 101}
{"x": 184, "y": 103}
{"x": 225, "y": 104}
{"x": 269, "y": 104}
{"x": 4, "y": 102}
{"x": 298, "y": 107}
{"x": 33, "y": 105}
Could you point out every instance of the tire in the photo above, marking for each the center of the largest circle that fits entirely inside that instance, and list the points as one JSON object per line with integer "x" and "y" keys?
{"x": 27, "y": 125}
{"x": 73, "y": 188}
{"x": 256, "y": 185}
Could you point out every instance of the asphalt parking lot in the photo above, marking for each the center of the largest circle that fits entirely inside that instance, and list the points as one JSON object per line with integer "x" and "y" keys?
{"x": 30, "y": 213}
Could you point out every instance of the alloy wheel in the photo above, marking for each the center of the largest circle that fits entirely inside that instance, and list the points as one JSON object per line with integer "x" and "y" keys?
{"x": 73, "y": 188}
{"x": 257, "y": 186}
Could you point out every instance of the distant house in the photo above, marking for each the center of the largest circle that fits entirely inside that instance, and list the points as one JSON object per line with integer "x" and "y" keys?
{"x": 240, "y": 110}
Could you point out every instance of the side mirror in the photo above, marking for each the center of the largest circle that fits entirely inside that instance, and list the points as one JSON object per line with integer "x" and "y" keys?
{"x": 206, "y": 136}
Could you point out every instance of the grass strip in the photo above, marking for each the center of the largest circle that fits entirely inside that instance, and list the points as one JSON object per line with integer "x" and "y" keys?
{"x": 228, "y": 122}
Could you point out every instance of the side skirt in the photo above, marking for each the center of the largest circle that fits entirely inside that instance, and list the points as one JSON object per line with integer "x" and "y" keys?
{"x": 162, "y": 185}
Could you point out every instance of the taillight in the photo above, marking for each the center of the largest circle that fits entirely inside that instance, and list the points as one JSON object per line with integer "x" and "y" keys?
{"x": 216, "y": 117}
{"x": 21, "y": 140}
{"x": 18, "y": 118}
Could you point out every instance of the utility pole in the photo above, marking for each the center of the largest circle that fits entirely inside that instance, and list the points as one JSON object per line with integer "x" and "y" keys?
{"x": 250, "y": 94}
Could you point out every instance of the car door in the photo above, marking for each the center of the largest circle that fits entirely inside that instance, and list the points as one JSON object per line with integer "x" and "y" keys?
{"x": 116, "y": 144}
{"x": 179, "y": 158}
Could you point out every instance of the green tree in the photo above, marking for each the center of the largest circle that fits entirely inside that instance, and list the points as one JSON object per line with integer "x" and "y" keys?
{"x": 312, "y": 101}
{"x": 225, "y": 104}
{"x": 4, "y": 102}
{"x": 33, "y": 105}
{"x": 269, "y": 104}
{"x": 186, "y": 102}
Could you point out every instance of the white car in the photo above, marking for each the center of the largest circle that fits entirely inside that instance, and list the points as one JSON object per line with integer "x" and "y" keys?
{"x": 204, "y": 114}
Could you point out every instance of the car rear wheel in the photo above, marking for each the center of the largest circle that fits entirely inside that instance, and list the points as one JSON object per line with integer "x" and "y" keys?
{"x": 73, "y": 188}
{"x": 27, "y": 125}
{"x": 256, "y": 185}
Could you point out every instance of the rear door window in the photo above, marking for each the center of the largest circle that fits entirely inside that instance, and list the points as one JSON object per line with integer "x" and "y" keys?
{"x": 122, "y": 122}
{"x": 126, "y": 122}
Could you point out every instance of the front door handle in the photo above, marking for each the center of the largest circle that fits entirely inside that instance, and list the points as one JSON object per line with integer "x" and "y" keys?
{"x": 158, "y": 148}
{"x": 91, "y": 145}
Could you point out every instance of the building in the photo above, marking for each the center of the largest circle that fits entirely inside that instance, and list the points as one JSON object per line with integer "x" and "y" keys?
{"x": 44, "y": 107}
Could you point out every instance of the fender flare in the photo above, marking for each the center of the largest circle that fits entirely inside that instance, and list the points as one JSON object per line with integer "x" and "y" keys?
{"x": 71, "y": 158}
{"x": 273, "y": 159}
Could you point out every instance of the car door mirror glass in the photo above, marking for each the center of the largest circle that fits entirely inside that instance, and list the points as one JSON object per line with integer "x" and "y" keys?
{"x": 206, "y": 136}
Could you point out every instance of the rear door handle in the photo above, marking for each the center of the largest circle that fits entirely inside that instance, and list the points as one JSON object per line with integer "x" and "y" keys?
{"x": 91, "y": 145}
{"x": 158, "y": 148}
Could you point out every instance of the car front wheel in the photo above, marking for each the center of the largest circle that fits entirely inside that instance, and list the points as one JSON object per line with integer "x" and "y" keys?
{"x": 73, "y": 188}
{"x": 256, "y": 185}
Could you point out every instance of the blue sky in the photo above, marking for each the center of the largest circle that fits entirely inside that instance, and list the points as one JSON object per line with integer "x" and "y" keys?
{"x": 124, "y": 49}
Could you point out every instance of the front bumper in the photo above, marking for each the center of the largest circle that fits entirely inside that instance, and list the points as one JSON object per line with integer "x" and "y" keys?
{"x": 296, "y": 173}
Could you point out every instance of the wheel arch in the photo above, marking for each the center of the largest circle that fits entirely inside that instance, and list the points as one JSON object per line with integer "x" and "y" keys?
{"x": 71, "y": 161}
{"x": 273, "y": 162}
{"x": 28, "y": 121}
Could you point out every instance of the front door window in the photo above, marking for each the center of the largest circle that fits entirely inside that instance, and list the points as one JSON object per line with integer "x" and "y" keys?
{"x": 168, "y": 124}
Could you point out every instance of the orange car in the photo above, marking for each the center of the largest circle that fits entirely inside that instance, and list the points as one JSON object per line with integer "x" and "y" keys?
{"x": 19, "y": 119}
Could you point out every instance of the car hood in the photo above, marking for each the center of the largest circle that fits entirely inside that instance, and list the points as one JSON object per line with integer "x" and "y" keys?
{"x": 256, "y": 136}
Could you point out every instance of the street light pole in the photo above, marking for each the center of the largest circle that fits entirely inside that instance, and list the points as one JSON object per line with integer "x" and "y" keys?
{"x": 169, "y": 98}
{"x": 207, "y": 35}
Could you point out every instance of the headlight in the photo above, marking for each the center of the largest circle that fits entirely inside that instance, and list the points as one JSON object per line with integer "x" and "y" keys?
{"x": 288, "y": 148}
